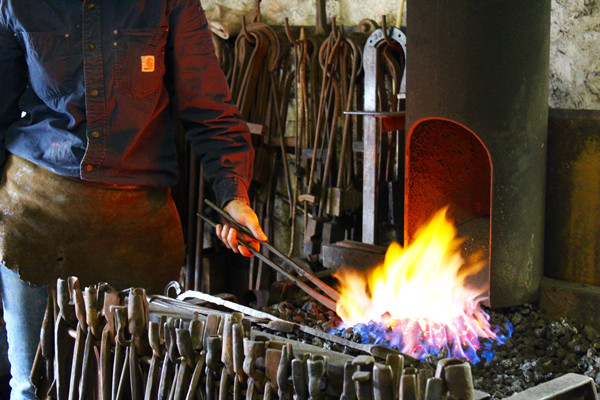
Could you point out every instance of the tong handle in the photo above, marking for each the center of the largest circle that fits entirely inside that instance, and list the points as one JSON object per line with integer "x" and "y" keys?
{"x": 328, "y": 290}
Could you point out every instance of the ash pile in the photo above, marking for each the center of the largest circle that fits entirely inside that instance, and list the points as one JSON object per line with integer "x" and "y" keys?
{"x": 540, "y": 349}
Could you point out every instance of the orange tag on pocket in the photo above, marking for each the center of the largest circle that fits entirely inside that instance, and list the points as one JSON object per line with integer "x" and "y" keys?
{"x": 147, "y": 63}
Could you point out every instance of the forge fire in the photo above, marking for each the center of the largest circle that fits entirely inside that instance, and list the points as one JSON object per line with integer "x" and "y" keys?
{"x": 420, "y": 300}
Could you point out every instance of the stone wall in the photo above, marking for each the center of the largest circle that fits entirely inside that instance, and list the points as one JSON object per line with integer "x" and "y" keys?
{"x": 574, "y": 48}
{"x": 575, "y": 54}
{"x": 302, "y": 12}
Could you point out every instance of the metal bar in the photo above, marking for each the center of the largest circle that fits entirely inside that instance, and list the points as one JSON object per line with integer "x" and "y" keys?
{"x": 568, "y": 386}
{"x": 378, "y": 114}
{"x": 373, "y": 75}
{"x": 329, "y": 291}
{"x": 192, "y": 294}
{"x": 191, "y": 223}
{"x": 198, "y": 265}
{"x": 370, "y": 156}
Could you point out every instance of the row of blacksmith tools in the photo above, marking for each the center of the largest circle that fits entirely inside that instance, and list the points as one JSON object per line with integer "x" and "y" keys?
{"x": 99, "y": 343}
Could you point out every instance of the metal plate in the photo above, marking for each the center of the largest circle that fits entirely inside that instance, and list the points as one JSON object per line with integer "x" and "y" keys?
{"x": 566, "y": 387}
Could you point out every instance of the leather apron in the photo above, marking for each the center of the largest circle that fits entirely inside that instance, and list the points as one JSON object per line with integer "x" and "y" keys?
{"x": 53, "y": 226}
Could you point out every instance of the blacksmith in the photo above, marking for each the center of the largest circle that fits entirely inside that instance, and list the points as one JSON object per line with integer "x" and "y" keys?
{"x": 90, "y": 95}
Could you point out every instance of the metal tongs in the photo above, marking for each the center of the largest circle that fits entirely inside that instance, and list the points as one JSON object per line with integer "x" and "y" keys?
{"x": 328, "y": 299}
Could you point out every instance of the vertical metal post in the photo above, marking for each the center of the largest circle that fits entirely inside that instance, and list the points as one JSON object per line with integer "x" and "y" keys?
{"x": 371, "y": 120}
{"x": 370, "y": 156}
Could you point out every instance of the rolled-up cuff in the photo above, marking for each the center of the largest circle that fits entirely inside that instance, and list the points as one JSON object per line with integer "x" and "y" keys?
{"x": 231, "y": 189}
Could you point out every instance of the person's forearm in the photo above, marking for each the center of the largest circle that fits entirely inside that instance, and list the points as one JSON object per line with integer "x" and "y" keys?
{"x": 217, "y": 133}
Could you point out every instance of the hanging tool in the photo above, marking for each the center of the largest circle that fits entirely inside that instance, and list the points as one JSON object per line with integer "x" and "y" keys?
{"x": 63, "y": 345}
{"x": 342, "y": 197}
{"x": 151, "y": 390}
{"x": 137, "y": 317}
{"x": 196, "y": 375}
{"x": 42, "y": 372}
{"x": 302, "y": 120}
{"x": 212, "y": 365}
{"x": 80, "y": 340}
{"x": 187, "y": 363}
{"x": 168, "y": 363}
{"x": 107, "y": 341}
{"x": 328, "y": 104}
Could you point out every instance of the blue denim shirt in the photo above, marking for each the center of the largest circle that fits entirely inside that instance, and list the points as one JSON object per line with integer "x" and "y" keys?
{"x": 102, "y": 84}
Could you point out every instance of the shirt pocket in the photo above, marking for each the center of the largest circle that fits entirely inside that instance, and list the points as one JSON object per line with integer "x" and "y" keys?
{"x": 140, "y": 60}
{"x": 47, "y": 56}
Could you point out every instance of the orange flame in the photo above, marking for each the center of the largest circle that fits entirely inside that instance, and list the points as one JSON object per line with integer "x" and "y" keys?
{"x": 424, "y": 285}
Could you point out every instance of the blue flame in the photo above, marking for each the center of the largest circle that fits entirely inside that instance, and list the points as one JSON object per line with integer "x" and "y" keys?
{"x": 487, "y": 350}
{"x": 430, "y": 343}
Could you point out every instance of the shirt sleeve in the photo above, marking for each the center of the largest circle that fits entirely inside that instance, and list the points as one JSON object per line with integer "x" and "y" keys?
{"x": 13, "y": 80}
{"x": 212, "y": 122}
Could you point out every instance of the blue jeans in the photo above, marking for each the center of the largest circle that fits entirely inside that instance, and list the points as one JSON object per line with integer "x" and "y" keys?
{"x": 24, "y": 307}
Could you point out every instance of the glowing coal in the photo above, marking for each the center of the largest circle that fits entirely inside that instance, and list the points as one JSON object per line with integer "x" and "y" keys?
{"x": 420, "y": 300}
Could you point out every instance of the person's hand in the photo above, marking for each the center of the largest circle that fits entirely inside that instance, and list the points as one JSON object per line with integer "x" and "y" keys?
{"x": 244, "y": 215}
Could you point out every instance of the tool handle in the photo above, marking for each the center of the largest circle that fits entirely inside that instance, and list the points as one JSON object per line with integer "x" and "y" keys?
{"x": 136, "y": 316}
{"x": 80, "y": 310}
{"x": 184, "y": 345}
{"x": 90, "y": 301}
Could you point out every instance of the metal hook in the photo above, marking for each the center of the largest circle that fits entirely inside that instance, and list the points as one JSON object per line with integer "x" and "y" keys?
{"x": 333, "y": 27}
{"x": 388, "y": 40}
{"x": 384, "y": 29}
{"x": 175, "y": 286}
{"x": 244, "y": 31}
{"x": 367, "y": 26}
{"x": 256, "y": 16}
{"x": 333, "y": 50}
{"x": 288, "y": 33}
